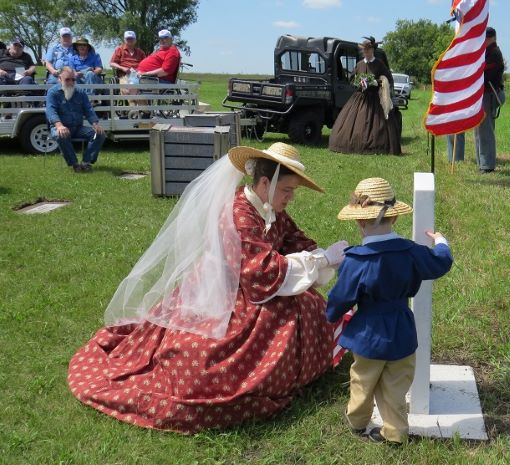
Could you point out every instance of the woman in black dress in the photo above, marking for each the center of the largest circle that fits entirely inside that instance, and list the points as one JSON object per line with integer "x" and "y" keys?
{"x": 367, "y": 123}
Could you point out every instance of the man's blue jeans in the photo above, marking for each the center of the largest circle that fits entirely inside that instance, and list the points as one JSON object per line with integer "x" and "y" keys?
{"x": 485, "y": 137}
{"x": 9, "y": 79}
{"x": 94, "y": 144}
{"x": 90, "y": 78}
{"x": 459, "y": 147}
{"x": 51, "y": 79}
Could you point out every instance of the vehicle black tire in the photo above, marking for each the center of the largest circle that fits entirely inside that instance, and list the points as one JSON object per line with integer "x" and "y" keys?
{"x": 306, "y": 127}
{"x": 35, "y": 137}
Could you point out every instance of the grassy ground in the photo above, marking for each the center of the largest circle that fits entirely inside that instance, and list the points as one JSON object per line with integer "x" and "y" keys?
{"x": 59, "y": 270}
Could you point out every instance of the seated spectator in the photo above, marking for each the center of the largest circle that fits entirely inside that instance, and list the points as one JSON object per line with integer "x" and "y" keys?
{"x": 66, "y": 106}
{"x": 59, "y": 55}
{"x": 16, "y": 66}
{"x": 163, "y": 63}
{"x": 125, "y": 58}
{"x": 86, "y": 64}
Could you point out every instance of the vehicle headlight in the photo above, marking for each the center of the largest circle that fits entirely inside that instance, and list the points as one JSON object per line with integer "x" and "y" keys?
{"x": 272, "y": 91}
{"x": 241, "y": 87}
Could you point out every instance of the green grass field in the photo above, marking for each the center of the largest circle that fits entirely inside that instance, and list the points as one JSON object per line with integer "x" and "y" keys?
{"x": 59, "y": 270}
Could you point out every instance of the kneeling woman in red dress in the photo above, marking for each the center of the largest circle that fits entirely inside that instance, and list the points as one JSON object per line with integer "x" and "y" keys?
{"x": 219, "y": 321}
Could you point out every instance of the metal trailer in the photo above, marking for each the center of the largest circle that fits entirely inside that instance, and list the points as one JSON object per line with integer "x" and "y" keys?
{"x": 22, "y": 111}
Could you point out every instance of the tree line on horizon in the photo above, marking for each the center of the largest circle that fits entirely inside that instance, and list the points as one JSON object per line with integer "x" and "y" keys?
{"x": 38, "y": 22}
{"x": 414, "y": 46}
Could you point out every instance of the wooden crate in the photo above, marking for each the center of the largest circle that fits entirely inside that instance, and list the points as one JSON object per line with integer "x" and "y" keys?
{"x": 179, "y": 154}
{"x": 219, "y": 118}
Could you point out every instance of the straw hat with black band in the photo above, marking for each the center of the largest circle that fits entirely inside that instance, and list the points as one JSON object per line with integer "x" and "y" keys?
{"x": 244, "y": 159}
{"x": 373, "y": 198}
{"x": 278, "y": 152}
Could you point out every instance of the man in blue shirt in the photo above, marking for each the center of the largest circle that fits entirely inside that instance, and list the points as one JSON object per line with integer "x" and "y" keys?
{"x": 379, "y": 277}
{"x": 66, "y": 106}
{"x": 59, "y": 55}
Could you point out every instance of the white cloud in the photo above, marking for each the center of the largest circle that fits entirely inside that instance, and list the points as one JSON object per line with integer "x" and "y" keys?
{"x": 374, "y": 19}
{"x": 320, "y": 4}
{"x": 286, "y": 24}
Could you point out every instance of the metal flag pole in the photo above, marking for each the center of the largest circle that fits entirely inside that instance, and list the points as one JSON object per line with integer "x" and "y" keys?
{"x": 432, "y": 153}
{"x": 454, "y": 152}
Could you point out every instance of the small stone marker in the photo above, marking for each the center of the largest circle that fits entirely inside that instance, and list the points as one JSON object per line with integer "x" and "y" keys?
{"x": 42, "y": 207}
{"x": 132, "y": 176}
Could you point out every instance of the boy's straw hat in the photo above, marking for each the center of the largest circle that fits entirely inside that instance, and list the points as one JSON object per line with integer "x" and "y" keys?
{"x": 279, "y": 152}
{"x": 370, "y": 198}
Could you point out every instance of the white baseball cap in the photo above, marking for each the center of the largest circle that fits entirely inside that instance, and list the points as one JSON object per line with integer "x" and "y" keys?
{"x": 65, "y": 31}
{"x": 129, "y": 35}
{"x": 164, "y": 33}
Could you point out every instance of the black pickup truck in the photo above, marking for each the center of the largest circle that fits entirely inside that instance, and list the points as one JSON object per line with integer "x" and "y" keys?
{"x": 310, "y": 87}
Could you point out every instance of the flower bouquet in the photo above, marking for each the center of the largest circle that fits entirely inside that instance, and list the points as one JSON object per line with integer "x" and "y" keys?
{"x": 364, "y": 80}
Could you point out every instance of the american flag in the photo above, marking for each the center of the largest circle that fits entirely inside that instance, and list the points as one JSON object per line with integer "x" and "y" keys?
{"x": 338, "y": 350}
{"x": 457, "y": 76}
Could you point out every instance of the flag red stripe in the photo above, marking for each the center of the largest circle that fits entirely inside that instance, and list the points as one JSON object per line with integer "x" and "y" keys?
{"x": 455, "y": 4}
{"x": 475, "y": 11}
{"x": 462, "y": 60}
{"x": 455, "y": 127}
{"x": 473, "y": 33}
{"x": 339, "y": 351}
{"x": 461, "y": 105}
{"x": 459, "y": 84}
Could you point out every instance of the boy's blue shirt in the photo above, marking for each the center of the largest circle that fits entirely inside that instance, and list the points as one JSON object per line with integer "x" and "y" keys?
{"x": 379, "y": 278}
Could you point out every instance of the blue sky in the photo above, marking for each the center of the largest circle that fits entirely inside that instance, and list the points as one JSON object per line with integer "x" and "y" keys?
{"x": 238, "y": 36}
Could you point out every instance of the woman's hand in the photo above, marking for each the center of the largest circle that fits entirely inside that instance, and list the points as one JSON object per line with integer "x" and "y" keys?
{"x": 335, "y": 253}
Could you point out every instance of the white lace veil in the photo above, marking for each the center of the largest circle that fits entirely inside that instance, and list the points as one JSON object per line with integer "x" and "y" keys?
{"x": 189, "y": 276}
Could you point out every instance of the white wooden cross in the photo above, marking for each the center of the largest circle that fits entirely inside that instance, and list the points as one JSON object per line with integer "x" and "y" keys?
{"x": 421, "y": 304}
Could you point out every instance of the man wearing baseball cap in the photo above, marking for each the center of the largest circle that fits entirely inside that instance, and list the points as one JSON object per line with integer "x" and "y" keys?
{"x": 127, "y": 56}
{"x": 59, "y": 55}
{"x": 16, "y": 66}
{"x": 163, "y": 63}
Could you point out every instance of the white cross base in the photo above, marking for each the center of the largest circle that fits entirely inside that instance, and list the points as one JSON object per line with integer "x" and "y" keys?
{"x": 454, "y": 406}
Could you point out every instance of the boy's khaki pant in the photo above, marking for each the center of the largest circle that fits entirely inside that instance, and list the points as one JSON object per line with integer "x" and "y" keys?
{"x": 388, "y": 382}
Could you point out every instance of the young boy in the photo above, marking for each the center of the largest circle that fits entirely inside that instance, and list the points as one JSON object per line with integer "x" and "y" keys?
{"x": 379, "y": 277}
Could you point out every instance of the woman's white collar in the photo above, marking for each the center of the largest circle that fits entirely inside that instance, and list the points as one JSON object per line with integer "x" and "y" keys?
{"x": 254, "y": 199}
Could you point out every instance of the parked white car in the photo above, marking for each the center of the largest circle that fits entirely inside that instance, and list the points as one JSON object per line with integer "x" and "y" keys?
{"x": 402, "y": 84}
